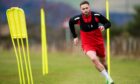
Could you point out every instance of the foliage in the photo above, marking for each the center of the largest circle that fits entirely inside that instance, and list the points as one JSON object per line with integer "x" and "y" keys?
{"x": 134, "y": 26}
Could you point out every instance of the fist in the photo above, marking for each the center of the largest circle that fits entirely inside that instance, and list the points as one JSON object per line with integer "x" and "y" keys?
{"x": 102, "y": 28}
{"x": 75, "y": 41}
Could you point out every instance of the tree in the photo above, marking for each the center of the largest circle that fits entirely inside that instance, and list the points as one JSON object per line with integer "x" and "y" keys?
{"x": 134, "y": 26}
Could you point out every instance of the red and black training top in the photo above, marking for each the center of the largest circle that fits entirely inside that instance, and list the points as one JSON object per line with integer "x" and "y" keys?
{"x": 91, "y": 36}
{"x": 88, "y": 23}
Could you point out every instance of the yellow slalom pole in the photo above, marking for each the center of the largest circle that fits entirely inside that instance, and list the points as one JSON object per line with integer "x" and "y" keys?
{"x": 18, "y": 62}
{"x": 28, "y": 59}
{"x": 23, "y": 34}
{"x": 108, "y": 37}
{"x": 17, "y": 26}
{"x": 44, "y": 43}
{"x": 11, "y": 24}
{"x": 20, "y": 57}
{"x": 20, "y": 14}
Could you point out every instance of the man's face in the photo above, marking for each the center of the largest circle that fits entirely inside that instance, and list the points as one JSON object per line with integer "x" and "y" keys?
{"x": 85, "y": 9}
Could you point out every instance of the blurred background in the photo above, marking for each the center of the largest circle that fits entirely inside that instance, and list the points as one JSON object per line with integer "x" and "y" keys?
{"x": 125, "y": 30}
{"x": 124, "y": 15}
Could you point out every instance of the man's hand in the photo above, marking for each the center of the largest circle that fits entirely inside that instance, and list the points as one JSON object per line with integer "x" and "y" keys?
{"x": 102, "y": 28}
{"x": 75, "y": 41}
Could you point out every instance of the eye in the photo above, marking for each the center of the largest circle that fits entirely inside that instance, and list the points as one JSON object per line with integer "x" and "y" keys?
{"x": 86, "y": 8}
{"x": 83, "y": 8}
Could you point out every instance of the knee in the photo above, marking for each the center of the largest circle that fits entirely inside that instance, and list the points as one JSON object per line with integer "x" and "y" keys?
{"x": 95, "y": 60}
{"x": 92, "y": 55}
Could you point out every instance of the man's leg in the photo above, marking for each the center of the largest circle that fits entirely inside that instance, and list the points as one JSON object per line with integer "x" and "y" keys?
{"x": 100, "y": 50}
{"x": 103, "y": 61}
{"x": 95, "y": 60}
{"x": 99, "y": 65}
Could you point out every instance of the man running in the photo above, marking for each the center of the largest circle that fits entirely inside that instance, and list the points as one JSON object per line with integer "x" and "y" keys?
{"x": 91, "y": 36}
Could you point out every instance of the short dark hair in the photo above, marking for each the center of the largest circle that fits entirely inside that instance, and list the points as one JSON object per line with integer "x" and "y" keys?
{"x": 84, "y": 2}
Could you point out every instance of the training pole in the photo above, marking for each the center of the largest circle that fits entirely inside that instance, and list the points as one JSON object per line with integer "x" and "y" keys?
{"x": 108, "y": 37}
{"x": 44, "y": 43}
{"x": 18, "y": 32}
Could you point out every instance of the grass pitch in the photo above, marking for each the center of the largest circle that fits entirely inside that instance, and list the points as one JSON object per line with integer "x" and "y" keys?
{"x": 69, "y": 68}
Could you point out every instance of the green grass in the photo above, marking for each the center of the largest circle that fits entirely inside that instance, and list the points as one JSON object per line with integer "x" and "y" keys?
{"x": 69, "y": 68}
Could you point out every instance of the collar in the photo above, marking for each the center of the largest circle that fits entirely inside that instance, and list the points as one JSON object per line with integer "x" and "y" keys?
{"x": 83, "y": 15}
{"x": 87, "y": 18}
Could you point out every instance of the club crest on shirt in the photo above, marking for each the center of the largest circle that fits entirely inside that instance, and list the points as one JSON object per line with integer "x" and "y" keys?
{"x": 91, "y": 26}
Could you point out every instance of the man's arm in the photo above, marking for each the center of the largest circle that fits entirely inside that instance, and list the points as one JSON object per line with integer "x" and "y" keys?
{"x": 74, "y": 20}
{"x": 103, "y": 20}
